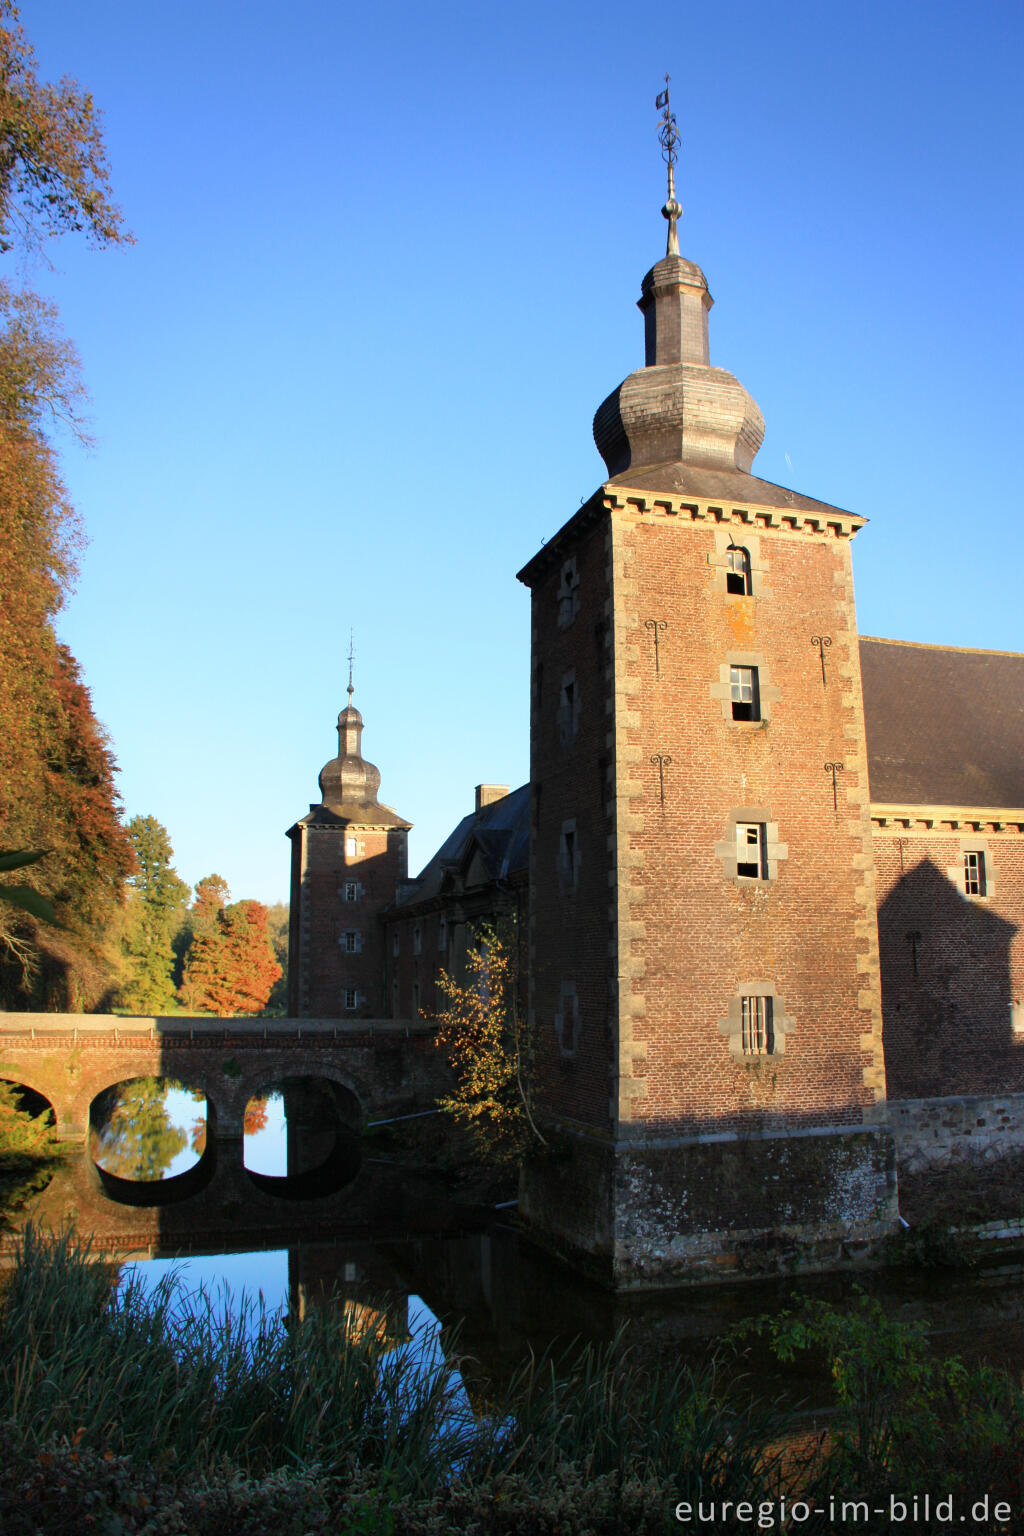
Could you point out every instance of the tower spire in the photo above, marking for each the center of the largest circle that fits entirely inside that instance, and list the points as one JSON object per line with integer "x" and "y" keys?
{"x": 668, "y": 137}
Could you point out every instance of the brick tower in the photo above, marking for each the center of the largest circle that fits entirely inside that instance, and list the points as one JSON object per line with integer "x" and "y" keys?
{"x": 348, "y": 855}
{"x": 703, "y": 943}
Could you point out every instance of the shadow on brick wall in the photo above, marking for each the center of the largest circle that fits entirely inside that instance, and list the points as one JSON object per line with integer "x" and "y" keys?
{"x": 946, "y": 991}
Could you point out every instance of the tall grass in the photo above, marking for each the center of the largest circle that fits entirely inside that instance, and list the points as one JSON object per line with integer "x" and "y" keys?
{"x": 117, "y": 1400}
{"x": 174, "y": 1380}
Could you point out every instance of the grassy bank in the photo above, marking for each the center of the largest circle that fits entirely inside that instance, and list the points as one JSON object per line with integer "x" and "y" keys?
{"x": 124, "y": 1412}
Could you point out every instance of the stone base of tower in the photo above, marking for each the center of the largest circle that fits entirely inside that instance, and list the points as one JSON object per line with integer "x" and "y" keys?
{"x": 635, "y": 1215}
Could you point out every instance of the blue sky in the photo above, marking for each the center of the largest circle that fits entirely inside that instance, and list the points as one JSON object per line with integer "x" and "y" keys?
{"x": 386, "y": 267}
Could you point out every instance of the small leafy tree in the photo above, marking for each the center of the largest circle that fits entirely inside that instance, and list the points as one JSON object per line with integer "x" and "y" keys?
{"x": 480, "y": 1028}
{"x": 155, "y": 908}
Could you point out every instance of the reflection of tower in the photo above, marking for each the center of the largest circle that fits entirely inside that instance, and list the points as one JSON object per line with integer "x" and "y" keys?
{"x": 347, "y": 856}
{"x": 356, "y": 1280}
{"x": 703, "y": 946}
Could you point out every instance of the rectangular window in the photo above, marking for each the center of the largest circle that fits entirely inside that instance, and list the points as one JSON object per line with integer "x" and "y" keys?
{"x": 351, "y": 891}
{"x": 417, "y": 940}
{"x": 737, "y": 571}
{"x": 416, "y": 999}
{"x": 442, "y": 934}
{"x": 568, "y": 593}
{"x": 351, "y": 941}
{"x": 351, "y": 847}
{"x": 758, "y": 1032}
{"x": 752, "y": 850}
{"x": 974, "y": 874}
{"x": 568, "y": 856}
{"x": 746, "y": 704}
{"x": 396, "y": 944}
{"x": 351, "y": 997}
{"x": 568, "y": 709}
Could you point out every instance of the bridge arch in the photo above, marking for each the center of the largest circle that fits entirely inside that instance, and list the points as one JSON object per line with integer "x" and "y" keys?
{"x": 345, "y": 1098}
{"x": 39, "y": 1099}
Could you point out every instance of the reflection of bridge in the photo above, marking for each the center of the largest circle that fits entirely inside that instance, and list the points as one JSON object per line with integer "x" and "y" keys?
{"x": 378, "y": 1067}
{"x": 219, "y": 1206}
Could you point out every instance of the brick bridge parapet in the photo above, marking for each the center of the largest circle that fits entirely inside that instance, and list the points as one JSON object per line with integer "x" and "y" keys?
{"x": 388, "y": 1066}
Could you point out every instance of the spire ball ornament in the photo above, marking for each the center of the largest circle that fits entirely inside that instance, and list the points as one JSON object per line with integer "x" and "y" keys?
{"x": 668, "y": 137}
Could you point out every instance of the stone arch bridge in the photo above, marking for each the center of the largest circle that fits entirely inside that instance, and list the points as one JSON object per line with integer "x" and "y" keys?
{"x": 379, "y": 1067}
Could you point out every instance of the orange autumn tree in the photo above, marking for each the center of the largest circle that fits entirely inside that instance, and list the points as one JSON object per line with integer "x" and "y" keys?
{"x": 56, "y": 771}
{"x": 231, "y": 967}
{"x": 481, "y": 1030}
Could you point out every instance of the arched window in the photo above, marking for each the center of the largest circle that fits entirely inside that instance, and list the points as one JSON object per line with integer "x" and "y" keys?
{"x": 737, "y": 571}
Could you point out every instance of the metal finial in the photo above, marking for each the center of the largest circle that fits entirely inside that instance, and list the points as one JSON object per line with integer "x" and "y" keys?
{"x": 351, "y": 659}
{"x": 668, "y": 137}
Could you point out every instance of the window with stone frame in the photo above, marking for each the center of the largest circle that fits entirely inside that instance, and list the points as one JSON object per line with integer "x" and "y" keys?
{"x": 757, "y": 1023}
{"x": 442, "y": 933}
{"x": 744, "y": 692}
{"x": 396, "y": 944}
{"x": 417, "y": 940}
{"x": 568, "y": 593}
{"x": 351, "y": 997}
{"x": 352, "y": 941}
{"x": 351, "y": 847}
{"x": 737, "y": 571}
{"x": 757, "y": 1026}
{"x": 351, "y": 890}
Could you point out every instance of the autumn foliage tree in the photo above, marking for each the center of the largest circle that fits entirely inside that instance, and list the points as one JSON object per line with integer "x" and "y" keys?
{"x": 56, "y": 771}
{"x": 231, "y": 969}
{"x": 480, "y": 1028}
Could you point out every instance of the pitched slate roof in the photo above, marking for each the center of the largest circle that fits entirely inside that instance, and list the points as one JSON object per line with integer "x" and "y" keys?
{"x": 945, "y": 726}
{"x": 501, "y": 833}
{"x": 732, "y": 485}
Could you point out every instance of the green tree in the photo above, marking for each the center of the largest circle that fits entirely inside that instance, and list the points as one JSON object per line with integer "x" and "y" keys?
{"x": 156, "y": 905}
{"x": 277, "y": 929}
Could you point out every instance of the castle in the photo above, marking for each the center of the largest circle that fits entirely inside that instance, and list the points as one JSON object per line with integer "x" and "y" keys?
{"x": 771, "y": 873}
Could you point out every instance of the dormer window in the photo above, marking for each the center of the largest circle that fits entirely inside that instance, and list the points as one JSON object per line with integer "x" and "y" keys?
{"x": 737, "y": 571}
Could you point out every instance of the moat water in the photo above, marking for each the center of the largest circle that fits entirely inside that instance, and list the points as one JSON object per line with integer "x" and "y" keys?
{"x": 307, "y": 1213}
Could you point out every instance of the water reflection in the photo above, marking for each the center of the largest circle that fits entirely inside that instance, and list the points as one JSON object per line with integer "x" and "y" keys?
{"x": 266, "y": 1136}
{"x": 148, "y": 1129}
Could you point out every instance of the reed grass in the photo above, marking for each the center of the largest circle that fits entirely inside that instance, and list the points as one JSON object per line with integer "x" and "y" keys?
{"x": 234, "y": 1419}
{"x": 171, "y": 1379}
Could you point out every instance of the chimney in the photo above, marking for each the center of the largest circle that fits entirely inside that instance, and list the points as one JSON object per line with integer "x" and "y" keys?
{"x": 486, "y": 794}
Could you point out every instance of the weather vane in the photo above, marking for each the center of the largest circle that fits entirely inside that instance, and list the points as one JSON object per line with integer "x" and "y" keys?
{"x": 668, "y": 136}
{"x": 351, "y": 659}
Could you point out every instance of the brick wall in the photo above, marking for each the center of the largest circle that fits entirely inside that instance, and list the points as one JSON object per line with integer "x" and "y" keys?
{"x": 952, "y": 966}
{"x": 687, "y": 937}
{"x": 343, "y": 876}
